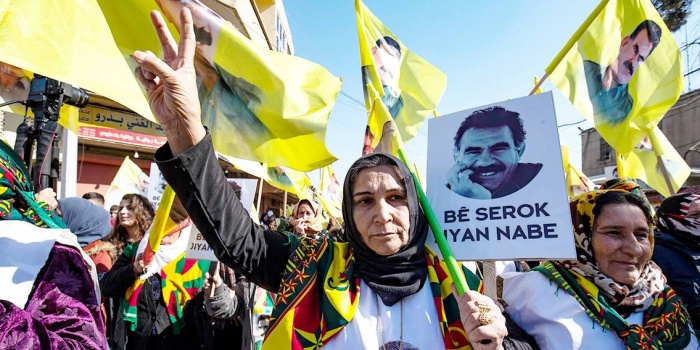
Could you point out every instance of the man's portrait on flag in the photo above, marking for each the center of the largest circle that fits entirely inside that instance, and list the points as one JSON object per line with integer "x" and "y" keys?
{"x": 608, "y": 86}
{"x": 387, "y": 59}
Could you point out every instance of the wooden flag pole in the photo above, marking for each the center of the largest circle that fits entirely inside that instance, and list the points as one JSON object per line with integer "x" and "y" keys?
{"x": 217, "y": 267}
{"x": 539, "y": 83}
{"x": 260, "y": 189}
{"x": 284, "y": 206}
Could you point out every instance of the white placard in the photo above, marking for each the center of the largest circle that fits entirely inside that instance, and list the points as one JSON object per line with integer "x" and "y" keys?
{"x": 528, "y": 216}
{"x": 24, "y": 249}
{"x": 156, "y": 186}
{"x": 197, "y": 247}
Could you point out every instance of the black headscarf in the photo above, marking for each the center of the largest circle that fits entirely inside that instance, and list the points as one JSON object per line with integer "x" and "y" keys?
{"x": 88, "y": 221}
{"x": 402, "y": 274}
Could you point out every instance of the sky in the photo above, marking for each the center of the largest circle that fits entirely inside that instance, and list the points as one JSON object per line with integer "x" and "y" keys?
{"x": 489, "y": 50}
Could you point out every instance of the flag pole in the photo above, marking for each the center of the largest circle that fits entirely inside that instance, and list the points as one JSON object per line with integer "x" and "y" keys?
{"x": 260, "y": 189}
{"x": 569, "y": 44}
{"x": 538, "y": 84}
{"x": 658, "y": 151}
{"x": 452, "y": 264}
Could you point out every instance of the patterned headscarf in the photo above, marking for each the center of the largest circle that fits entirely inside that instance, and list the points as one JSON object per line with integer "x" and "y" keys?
{"x": 673, "y": 219}
{"x": 17, "y": 195}
{"x": 313, "y": 224}
{"x": 626, "y": 299}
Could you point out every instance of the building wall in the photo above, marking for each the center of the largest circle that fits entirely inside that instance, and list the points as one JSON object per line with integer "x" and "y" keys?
{"x": 681, "y": 125}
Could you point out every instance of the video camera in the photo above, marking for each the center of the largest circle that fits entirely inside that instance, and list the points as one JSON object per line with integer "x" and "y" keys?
{"x": 46, "y": 96}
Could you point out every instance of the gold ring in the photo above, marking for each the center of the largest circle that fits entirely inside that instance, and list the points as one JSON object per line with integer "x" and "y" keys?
{"x": 483, "y": 307}
{"x": 485, "y": 319}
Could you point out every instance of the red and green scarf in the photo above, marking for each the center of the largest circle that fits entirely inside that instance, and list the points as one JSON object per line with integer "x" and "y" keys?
{"x": 319, "y": 295}
{"x": 180, "y": 280}
{"x": 666, "y": 324}
{"x": 17, "y": 195}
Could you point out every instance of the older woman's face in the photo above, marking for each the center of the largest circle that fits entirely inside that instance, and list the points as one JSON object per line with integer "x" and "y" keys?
{"x": 621, "y": 242}
{"x": 380, "y": 210}
{"x": 305, "y": 212}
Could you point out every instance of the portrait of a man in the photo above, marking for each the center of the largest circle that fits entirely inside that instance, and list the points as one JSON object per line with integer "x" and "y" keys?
{"x": 608, "y": 86}
{"x": 387, "y": 59}
{"x": 488, "y": 146}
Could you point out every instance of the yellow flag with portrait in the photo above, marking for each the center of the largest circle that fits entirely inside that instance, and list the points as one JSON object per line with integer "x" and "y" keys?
{"x": 409, "y": 86}
{"x": 623, "y": 73}
{"x": 290, "y": 180}
{"x": 258, "y": 104}
{"x": 331, "y": 192}
{"x": 643, "y": 163}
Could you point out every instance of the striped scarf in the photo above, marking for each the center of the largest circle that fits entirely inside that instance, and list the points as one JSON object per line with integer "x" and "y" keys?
{"x": 319, "y": 295}
{"x": 17, "y": 195}
{"x": 666, "y": 323}
{"x": 180, "y": 280}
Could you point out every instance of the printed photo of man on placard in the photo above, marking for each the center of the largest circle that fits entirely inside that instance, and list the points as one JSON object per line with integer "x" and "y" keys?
{"x": 496, "y": 184}
{"x": 487, "y": 149}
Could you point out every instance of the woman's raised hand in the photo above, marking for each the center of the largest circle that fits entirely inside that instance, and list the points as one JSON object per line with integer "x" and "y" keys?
{"x": 171, "y": 83}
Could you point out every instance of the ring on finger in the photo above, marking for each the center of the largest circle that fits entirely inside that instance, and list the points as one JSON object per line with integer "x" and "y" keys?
{"x": 483, "y": 307}
{"x": 485, "y": 319}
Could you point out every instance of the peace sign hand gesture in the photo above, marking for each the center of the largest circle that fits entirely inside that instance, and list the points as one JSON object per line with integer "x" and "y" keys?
{"x": 171, "y": 83}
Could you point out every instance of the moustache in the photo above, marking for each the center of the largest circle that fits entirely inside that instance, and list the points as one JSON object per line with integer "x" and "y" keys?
{"x": 629, "y": 67}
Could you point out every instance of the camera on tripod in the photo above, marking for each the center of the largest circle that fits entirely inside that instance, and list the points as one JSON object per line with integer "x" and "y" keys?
{"x": 46, "y": 96}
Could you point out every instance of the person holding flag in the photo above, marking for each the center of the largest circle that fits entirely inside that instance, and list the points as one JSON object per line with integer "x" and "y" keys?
{"x": 330, "y": 294}
{"x": 152, "y": 294}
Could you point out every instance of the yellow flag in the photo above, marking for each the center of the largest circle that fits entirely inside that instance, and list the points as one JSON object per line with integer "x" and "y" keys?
{"x": 331, "y": 194}
{"x": 623, "y": 73}
{"x": 70, "y": 41}
{"x": 408, "y": 85}
{"x": 643, "y": 163}
{"x": 576, "y": 181}
{"x": 381, "y": 124}
{"x": 162, "y": 224}
{"x": 290, "y": 180}
{"x": 248, "y": 166}
{"x": 129, "y": 179}
{"x": 258, "y": 104}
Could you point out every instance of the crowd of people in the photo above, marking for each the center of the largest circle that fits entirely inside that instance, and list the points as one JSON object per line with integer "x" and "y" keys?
{"x": 368, "y": 283}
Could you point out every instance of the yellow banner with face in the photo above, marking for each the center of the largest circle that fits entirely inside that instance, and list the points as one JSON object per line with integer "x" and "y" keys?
{"x": 409, "y": 87}
{"x": 623, "y": 73}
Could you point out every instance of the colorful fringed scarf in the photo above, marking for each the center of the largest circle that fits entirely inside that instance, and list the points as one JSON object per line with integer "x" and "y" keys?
{"x": 666, "y": 324}
{"x": 319, "y": 295}
{"x": 17, "y": 195}
{"x": 180, "y": 280}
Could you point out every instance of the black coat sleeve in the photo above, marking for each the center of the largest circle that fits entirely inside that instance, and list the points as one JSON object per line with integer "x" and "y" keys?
{"x": 116, "y": 281}
{"x": 237, "y": 241}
